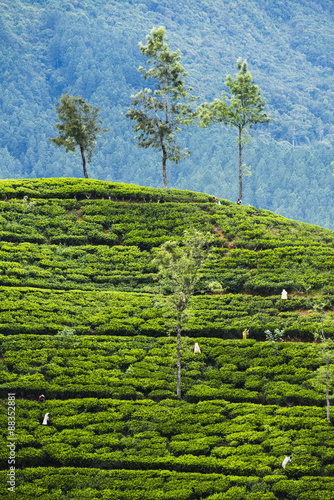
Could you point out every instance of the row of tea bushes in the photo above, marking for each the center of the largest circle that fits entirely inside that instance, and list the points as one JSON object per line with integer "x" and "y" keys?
{"x": 141, "y": 367}
{"x": 258, "y": 229}
{"x": 231, "y": 313}
{"x": 34, "y": 310}
{"x": 100, "y": 222}
{"x": 298, "y": 269}
{"x": 212, "y": 437}
{"x": 230, "y": 223}
{"x": 90, "y": 188}
{"x": 48, "y": 311}
{"x": 57, "y": 483}
{"x": 126, "y": 267}
{"x": 66, "y": 227}
{"x": 89, "y": 267}
{"x": 262, "y": 253}
{"x": 94, "y": 267}
{"x": 271, "y": 226}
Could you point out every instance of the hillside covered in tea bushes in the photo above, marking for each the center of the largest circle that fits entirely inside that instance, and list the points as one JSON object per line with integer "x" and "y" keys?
{"x": 82, "y": 323}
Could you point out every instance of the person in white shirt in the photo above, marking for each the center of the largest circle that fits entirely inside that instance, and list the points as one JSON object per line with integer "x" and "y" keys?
{"x": 286, "y": 461}
{"x": 46, "y": 419}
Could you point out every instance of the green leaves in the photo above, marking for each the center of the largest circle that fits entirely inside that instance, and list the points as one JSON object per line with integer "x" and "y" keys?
{"x": 179, "y": 262}
{"x": 246, "y": 105}
{"x": 244, "y": 110}
{"x": 78, "y": 127}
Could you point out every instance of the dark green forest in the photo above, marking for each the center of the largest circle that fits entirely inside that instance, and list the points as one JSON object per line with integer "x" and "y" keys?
{"x": 90, "y": 48}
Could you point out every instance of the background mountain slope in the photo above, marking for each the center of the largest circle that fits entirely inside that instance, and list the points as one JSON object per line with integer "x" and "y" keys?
{"x": 91, "y": 49}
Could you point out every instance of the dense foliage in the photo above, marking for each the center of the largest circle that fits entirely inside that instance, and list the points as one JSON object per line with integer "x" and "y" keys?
{"x": 65, "y": 241}
{"x": 90, "y": 48}
{"x": 114, "y": 415}
{"x": 78, "y": 126}
{"x": 82, "y": 322}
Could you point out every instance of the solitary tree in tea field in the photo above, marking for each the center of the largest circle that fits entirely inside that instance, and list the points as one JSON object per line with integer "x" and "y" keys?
{"x": 160, "y": 112}
{"x": 325, "y": 374}
{"x": 78, "y": 126}
{"x": 179, "y": 264}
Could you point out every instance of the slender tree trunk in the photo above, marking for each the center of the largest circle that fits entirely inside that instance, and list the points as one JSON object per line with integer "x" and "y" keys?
{"x": 178, "y": 361}
{"x": 240, "y": 162}
{"x": 83, "y": 157}
{"x": 328, "y": 406}
{"x": 164, "y": 163}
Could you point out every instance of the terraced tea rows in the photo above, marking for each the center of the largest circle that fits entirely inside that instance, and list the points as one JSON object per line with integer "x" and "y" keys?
{"x": 81, "y": 322}
{"x": 113, "y": 406}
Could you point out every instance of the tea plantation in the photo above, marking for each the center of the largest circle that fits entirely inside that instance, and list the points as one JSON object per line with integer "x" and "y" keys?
{"x": 82, "y": 323}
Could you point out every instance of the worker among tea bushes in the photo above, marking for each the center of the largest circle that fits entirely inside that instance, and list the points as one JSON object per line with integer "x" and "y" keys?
{"x": 46, "y": 419}
{"x": 196, "y": 348}
{"x": 287, "y": 460}
{"x": 245, "y": 333}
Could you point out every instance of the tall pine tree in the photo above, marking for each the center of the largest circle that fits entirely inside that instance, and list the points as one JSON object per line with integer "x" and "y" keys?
{"x": 160, "y": 112}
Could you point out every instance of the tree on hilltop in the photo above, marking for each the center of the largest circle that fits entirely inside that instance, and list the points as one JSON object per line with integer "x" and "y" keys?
{"x": 179, "y": 264}
{"x": 244, "y": 111}
{"x": 79, "y": 126}
{"x": 159, "y": 113}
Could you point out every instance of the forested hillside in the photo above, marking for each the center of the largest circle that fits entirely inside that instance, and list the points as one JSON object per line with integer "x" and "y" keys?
{"x": 82, "y": 322}
{"x": 90, "y": 48}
